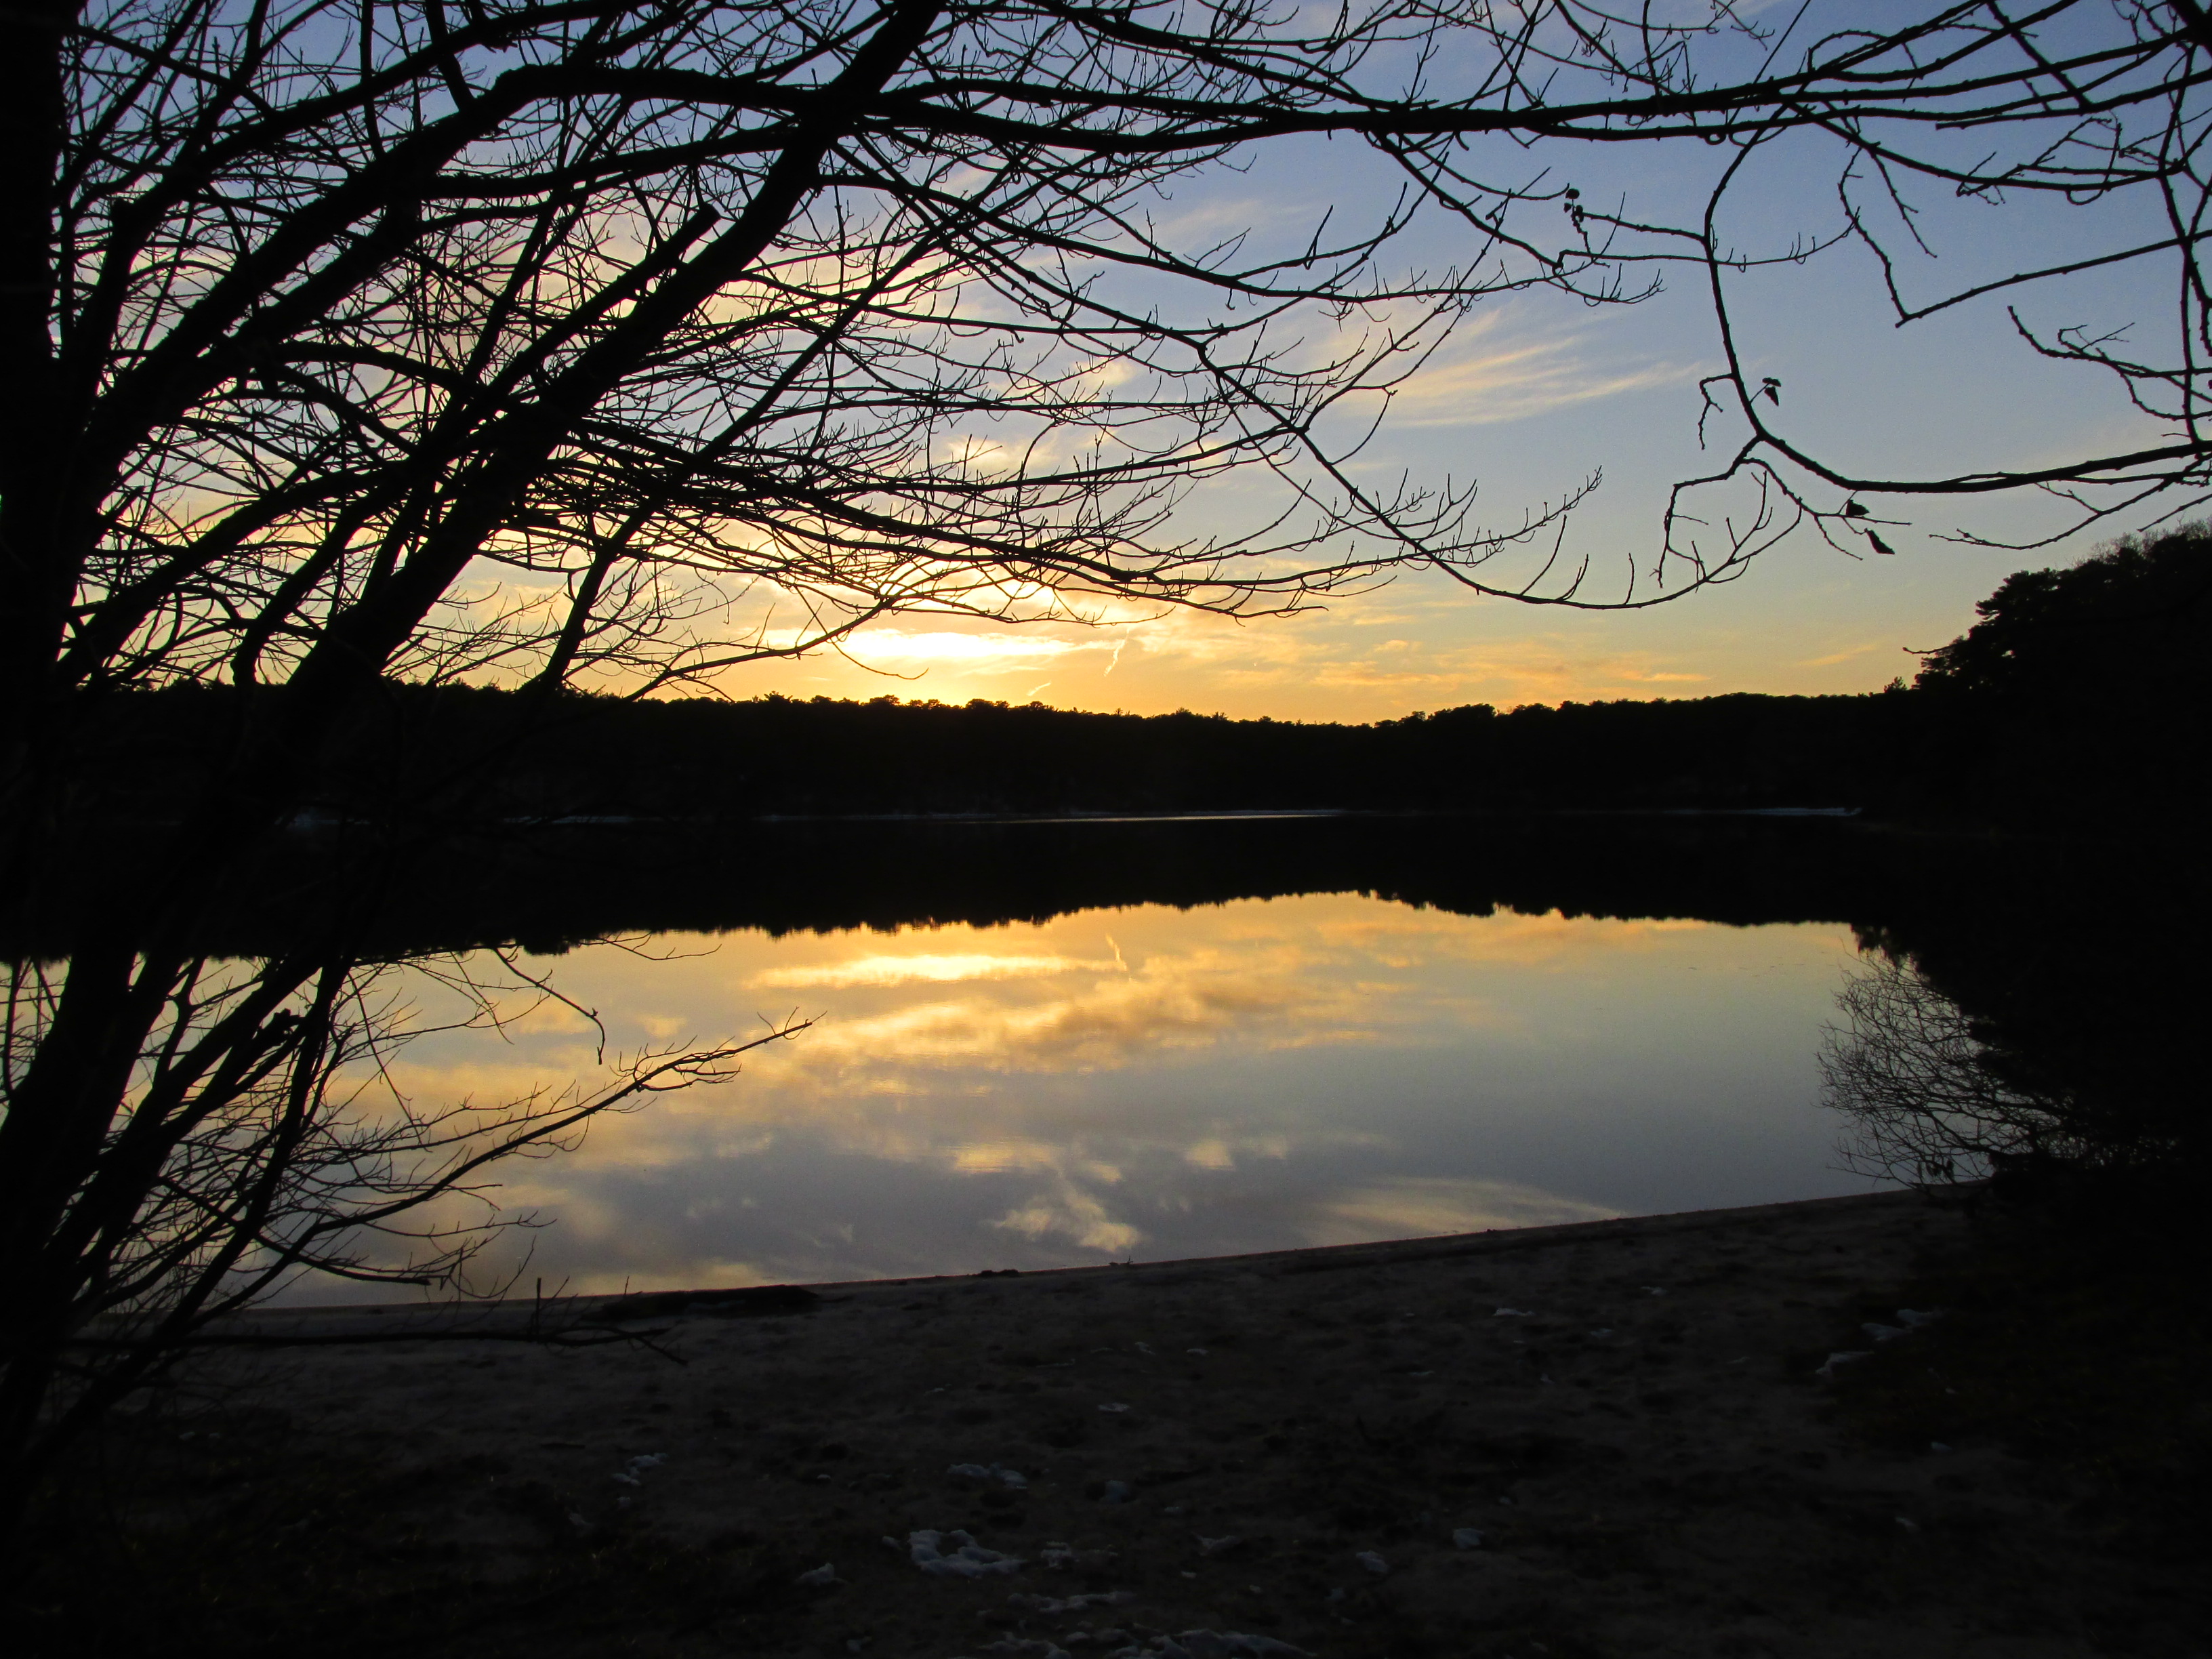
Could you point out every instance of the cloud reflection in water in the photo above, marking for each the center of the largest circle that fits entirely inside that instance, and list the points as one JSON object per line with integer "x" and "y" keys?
{"x": 1160, "y": 1083}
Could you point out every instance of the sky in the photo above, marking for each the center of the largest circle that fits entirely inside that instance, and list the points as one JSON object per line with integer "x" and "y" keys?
{"x": 1537, "y": 392}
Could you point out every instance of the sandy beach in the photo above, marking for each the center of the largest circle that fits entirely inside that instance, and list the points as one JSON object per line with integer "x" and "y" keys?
{"x": 1610, "y": 1438}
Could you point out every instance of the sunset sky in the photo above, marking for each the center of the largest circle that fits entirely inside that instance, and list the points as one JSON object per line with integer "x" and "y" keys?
{"x": 1536, "y": 391}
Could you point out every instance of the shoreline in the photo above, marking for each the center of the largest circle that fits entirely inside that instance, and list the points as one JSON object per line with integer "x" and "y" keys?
{"x": 1591, "y": 1441}
{"x": 334, "y": 1321}
{"x": 1629, "y": 1438}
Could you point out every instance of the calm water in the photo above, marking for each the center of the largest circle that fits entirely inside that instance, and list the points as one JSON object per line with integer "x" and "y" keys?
{"x": 1151, "y": 1082}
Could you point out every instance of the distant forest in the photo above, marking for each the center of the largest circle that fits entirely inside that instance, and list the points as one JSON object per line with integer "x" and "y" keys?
{"x": 2080, "y": 693}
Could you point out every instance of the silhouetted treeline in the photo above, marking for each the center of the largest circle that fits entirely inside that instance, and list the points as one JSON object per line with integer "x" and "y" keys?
{"x": 2079, "y": 688}
{"x": 2079, "y": 691}
{"x": 708, "y": 759}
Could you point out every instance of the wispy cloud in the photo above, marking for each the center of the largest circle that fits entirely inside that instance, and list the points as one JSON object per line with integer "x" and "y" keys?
{"x": 1836, "y": 657}
{"x": 1421, "y": 673}
{"x": 1480, "y": 379}
{"x": 974, "y": 650}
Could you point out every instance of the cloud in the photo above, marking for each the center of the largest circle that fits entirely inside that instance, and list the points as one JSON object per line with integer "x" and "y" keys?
{"x": 1836, "y": 657}
{"x": 896, "y": 644}
{"x": 1419, "y": 673}
{"x": 1467, "y": 385}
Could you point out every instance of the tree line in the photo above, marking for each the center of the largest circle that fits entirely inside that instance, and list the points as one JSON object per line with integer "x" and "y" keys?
{"x": 2077, "y": 695}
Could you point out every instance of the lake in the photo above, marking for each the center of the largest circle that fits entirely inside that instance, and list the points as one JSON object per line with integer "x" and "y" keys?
{"x": 1085, "y": 1082}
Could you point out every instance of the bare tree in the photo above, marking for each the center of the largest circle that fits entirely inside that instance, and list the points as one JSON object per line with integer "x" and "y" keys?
{"x": 543, "y": 339}
{"x": 240, "y": 1164}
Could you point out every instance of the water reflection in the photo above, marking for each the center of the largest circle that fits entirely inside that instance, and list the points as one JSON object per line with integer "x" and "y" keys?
{"x": 1930, "y": 1093}
{"x": 1154, "y": 1082}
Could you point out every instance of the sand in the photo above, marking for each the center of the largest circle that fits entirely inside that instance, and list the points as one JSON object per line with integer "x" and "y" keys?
{"x": 1300, "y": 1447}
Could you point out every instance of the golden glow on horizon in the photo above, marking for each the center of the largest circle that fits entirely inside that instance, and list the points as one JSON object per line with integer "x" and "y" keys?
{"x": 1369, "y": 657}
